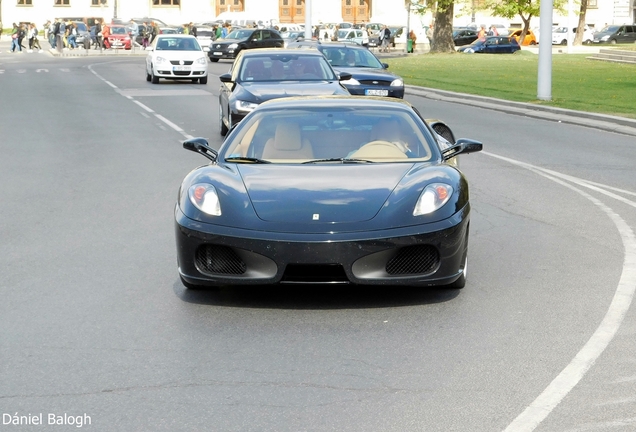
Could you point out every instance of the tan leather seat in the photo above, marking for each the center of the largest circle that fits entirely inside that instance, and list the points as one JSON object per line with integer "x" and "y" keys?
{"x": 288, "y": 143}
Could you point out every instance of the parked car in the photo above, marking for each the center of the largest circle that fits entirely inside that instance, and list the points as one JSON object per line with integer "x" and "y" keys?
{"x": 613, "y": 34}
{"x": 358, "y": 36}
{"x": 238, "y": 40}
{"x": 205, "y": 36}
{"x": 492, "y": 45}
{"x": 83, "y": 37}
{"x": 560, "y": 35}
{"x": 397, "y": 32}
{"x": 176, "y": 57}
{"x": 530, "y": 39}
{"x": 463, "y": 37}
{"x": 292, "y": 36}
{"x": 118, "y": 38}
{"x": 326, "y": 190}
{"x": 369, "y": 76}
{"x": 260, "y": 75}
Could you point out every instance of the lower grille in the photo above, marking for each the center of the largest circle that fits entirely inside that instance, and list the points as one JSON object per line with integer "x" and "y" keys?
{"x": 375, "y": 82}
{"x": 413, "y": 260}
{"x": 217, "y": 259}
{"x": 314, "y": 273}
{"x": 181, "y": 73}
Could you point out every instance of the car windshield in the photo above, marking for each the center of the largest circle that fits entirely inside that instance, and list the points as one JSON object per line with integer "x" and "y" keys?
{"x": 118, "y": 30}
{"x": 285, "y": 67}
{"x": 327, "y": 134}
{"x": 239, "y": 34}
{"x": 80, "y": 26}
{"x": 610, "y": 29}
{"x": 178, "y": 44}
{"x": 342, "y": 34}
{"x": 291, "y": 35}
{"x": 348, "y": 57}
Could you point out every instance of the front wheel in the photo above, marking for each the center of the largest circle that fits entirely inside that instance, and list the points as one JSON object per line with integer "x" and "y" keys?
{"x": 155, "y": 78}
{"x": 222, "y": 128}
{"x": 613, "y": 41}
{"x": 203, "y": 80}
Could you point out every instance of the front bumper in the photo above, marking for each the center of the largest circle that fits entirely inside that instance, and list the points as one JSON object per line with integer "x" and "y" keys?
{"x": 422, "y": 255}
{"x": 169, "y": 71}
{"x": 362, "y": 90}
{"x": 218, "y": 54}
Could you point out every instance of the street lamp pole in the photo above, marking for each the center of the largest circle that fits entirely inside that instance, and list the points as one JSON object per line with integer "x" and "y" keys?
{"x": 308, "y": 33}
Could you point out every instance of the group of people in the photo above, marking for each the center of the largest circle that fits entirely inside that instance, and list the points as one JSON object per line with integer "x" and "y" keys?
{"x": 22, "y": 31}
{"x": 482, "y": 33}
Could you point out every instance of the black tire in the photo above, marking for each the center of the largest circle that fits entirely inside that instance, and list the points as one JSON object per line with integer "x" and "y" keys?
{"x": 564, "y": 42}
{"x": 195, "y": 80}
{"x": 214, "y": 60}
{"x": 148, "y": 77}
{"x": 203, "y": 80}
{"x": 155, "y": 78}
{"x": 613, "y": 42}
{"x": 222, "y": 128}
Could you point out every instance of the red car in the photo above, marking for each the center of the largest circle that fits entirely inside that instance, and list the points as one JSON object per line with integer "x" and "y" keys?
{"x": 118, "y": 38}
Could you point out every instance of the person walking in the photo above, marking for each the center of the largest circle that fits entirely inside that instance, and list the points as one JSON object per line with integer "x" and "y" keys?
{"x": 193, "y": 30}
{"x": 98, "y": 34}
{"x": 134, "y": 32}
{"x": 71, "y": 36}
{"x": 22, "y": 32}
{"x": 481, "y": 34}
{"x": 145, "y": 35}
{"x": 430, "y": 32}
{"x": 36, "y": 40}
{"x": 15, "y": 44}
{"x": 413, "y": 38}
{"x": 385, "y": 38}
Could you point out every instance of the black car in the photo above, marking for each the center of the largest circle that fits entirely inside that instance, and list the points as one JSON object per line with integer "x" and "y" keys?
{"x": 369, "y": 76}
{"x": 238, "y": 40}
{"x": 613, "y": 34}
{"x": 464, "y": 36}
{"x": 332, "y": 189}
{"x": 492, "y": 45}
{"x": 260, "y": 75}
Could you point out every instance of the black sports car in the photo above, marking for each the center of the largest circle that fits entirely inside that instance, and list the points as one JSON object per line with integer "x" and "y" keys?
{"x": 260, "y": 75}
{"x": 327, "y": 189}
{"x": 245, "y": 38}
{"x": 369, "y": 76}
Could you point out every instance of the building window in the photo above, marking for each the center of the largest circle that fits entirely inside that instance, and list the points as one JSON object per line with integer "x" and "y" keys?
{"x": 166, "y": 2}
{"x": 62, "y": 2}
{"x": 25, "y": 2}
{"x": 592, "y": 4}
{"x": 99, "y": 2}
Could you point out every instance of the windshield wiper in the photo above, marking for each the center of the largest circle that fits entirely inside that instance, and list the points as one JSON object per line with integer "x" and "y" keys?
{"x": 343, "y": 160}
{"x": 243, "y": 159}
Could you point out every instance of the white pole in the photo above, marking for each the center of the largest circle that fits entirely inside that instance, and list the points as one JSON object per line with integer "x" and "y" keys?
{"x": 570, "y": 32}
{"x": 544, "y": 81}
{"x": 308, "y": 32}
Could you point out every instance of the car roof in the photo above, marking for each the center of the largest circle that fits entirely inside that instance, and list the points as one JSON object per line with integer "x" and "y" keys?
{"x": 337, "y": 101}
{"x": 290, "y": 51}
{"x": 176, "y": 35}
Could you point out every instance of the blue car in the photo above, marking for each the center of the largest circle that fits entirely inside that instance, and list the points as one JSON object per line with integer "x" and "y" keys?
{"x": 492, "y": 45}
{"x": 331, "y": 189}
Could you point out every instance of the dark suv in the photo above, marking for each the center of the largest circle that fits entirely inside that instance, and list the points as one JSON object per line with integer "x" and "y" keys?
{"x": 240, "y": 39}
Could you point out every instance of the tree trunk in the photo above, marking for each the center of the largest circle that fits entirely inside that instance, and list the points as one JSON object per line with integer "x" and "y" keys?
{"x": 443, "y": 30}
{"x": 580, "y": 29}
{"x": 526, "y": 27}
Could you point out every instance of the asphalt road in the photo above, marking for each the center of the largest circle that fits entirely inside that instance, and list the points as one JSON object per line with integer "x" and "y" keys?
{"x": 94, "y": 320}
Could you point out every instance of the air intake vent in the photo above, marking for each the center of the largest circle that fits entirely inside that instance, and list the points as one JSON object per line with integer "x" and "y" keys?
{"x": 413, "y": 260}
{"x": 217, "y": 259}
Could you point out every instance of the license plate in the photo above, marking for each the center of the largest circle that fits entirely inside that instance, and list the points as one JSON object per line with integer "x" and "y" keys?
{"x": 217, "y": 53}
{"x": 181, "y": 68}
{"x": 370, "y": 92}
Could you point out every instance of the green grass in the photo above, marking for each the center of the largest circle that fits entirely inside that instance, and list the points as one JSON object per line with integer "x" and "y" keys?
{"x": 577, "y": 83}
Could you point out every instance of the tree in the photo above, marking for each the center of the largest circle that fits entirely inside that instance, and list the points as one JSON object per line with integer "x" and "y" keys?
{"x": 525, "y": 9}
{"x": 442, "y": 11}
{"x": 580, "y": 29}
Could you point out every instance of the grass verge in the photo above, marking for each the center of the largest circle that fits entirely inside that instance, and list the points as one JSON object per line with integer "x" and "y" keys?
{"x": 577, "y": 82}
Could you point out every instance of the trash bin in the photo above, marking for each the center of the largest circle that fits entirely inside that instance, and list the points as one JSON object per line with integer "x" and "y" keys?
{"x": 409, "y": 46}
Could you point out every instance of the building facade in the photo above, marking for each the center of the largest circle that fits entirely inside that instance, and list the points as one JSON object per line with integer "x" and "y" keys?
{"x": 393, "y": 12}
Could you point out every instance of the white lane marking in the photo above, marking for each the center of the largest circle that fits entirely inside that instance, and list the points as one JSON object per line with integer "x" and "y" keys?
{"x": 143, "y": 106}
{"x": 572, "y": 374}
{"x": 169, "y": 123}
{"x": 41, "y": 70}
{"x": 144, "y": 114}
{"x": 110, "y": 84}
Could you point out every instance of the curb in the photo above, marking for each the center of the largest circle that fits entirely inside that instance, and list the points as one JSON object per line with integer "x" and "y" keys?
{"x": 621, "y": 125}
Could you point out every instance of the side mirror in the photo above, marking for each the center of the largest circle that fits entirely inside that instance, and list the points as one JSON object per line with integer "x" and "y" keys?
{"x": 385, "y": 65}
{"x": 201, "y": 146}
{"x": 462, "y": 146}
{"x": 226, "y": 78}
{"x": 344, "y": 76}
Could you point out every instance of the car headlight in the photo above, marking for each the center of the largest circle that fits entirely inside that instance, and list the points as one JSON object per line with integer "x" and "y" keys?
{"x": 204, "y": 197}
{"x": 245, "y": 105}
{"x": 351, "y": 81}
{"x": 233, "y": 46}
{"x": 397, "y": 83}
{"x": 433, "y": 197}
{"x": 160, "y": 60}
{"x": 202, "y": 60}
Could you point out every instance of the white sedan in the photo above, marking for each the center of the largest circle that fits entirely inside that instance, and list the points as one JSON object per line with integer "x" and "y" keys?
{"x": 176, "y": 57}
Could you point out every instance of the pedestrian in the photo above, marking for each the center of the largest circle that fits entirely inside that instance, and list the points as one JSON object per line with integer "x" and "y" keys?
{"x": 430, "y": 32}
{"x": 153, "y": 32}
{"x": 22, "y": 32}
{"x": 193, "y": 30}
{"x": 50, "y": 36}
{"x": 57, "y": 37}
{"x": 413, "y": 38}
{"x": 134, "y": 32}
{"x": 36, "y": 40}
{"x": 145, "y": 35}
{"x": 71, "y": 36}
{"x": 15, "y": 44}
{"x": 224, "y": 31}
{"x": 105, "y": 34}
{"x": 219, "y": 32}
{"x": 481, "y": 34}
{"x": 385, "y": 38}
{"x": 98, "y": 34}
{"x": 493, "y": 31}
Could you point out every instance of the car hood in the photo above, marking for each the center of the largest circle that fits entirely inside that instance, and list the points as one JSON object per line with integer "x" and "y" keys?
{"x": 344, "y": 194}
{"x": 367, "y": 73}
{"x": 178, "y": 55}
{"x": 272, "y": 90}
